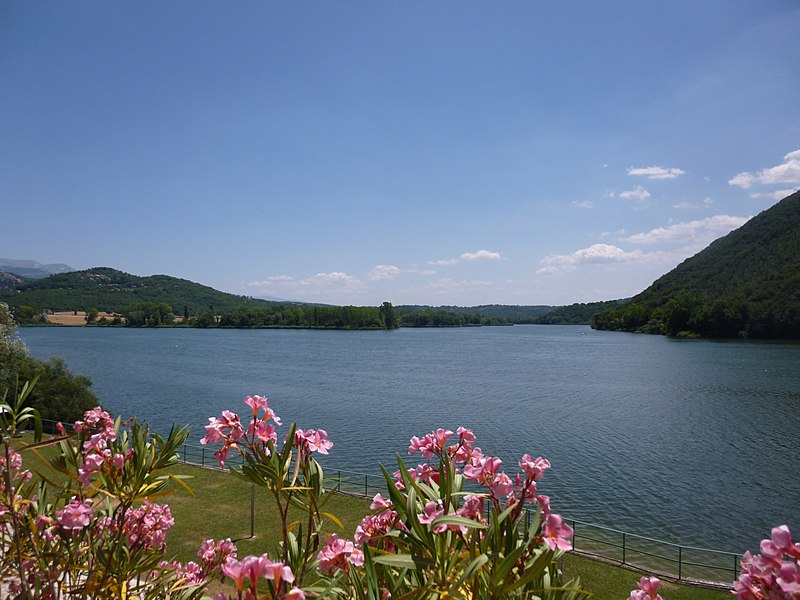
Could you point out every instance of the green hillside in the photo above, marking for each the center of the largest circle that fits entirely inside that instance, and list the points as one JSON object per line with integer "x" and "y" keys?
{"x": 486, "y": 314}
{"x": 580, "y": 313}
{"x": 110, "y": 290}
{"x": 744, "y": 284}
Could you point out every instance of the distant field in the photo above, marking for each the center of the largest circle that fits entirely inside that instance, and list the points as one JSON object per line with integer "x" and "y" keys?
{"x": 75, "y": 318}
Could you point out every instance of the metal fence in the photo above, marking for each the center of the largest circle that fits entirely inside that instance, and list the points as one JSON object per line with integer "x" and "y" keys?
{"x": 684, "y": 563}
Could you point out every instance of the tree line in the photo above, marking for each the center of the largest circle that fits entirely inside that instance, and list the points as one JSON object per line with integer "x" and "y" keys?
{"x": 689, "y": 314}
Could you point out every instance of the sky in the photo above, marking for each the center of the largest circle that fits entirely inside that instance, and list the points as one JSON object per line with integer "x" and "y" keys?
{"x": 412, "y": 152}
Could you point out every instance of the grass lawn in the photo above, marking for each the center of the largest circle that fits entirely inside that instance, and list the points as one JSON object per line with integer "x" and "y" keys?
{"x": 220, "y": 508}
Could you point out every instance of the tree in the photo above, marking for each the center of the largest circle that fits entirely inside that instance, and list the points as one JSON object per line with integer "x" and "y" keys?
{"x": 59, "y": 395}
{"x": 389, "y": 318}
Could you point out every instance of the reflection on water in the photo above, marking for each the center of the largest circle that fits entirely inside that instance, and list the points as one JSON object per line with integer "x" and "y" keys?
{"x": 690, "y": 441}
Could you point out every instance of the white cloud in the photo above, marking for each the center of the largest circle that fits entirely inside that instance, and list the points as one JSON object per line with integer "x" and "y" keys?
{"x": 330, "y": 279}
{"x": 776, "y": 195}
{"x": 320, "y": 284}
{"x": 638, "y": 193}
{"x": 656, "y": 172}
{"x": 690, "y": 231}
{"x": 584, "y": 204}
{"x": 596, "y": 254}
{"x": 690, "y": 205}
{"x": 786, "y": 172}
{"x": 482, "y": 255}
{"x": 384, "y": 272}
{"x": 479, "y": 255}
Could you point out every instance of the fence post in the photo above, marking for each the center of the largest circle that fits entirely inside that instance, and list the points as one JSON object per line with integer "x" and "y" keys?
{"x": 366, "y": 491}
{"x": 735, "y": 566}
{"x": 252, "y": 510}
{"x": 680, "y": 561}
{"x": 203, "y": 457}
{"x": 574, "y": 535}
{"x": 184, "y": 453}
{"x": 624, "y": 555}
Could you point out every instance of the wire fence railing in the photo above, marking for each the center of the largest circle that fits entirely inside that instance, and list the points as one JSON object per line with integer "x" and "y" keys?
{"x": 684, "y": 563}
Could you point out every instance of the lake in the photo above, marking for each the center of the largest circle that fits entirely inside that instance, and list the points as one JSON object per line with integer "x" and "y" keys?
{"x": 695, "y": 442}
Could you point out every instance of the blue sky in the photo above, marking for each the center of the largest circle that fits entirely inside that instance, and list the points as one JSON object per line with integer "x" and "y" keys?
{"x": 431, "y": 153}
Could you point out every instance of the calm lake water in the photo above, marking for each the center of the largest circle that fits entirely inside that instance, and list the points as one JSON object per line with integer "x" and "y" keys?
{"x": 690, "y": 441}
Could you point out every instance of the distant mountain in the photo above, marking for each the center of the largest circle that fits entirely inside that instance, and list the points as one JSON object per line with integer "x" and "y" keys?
{"x": 110, "y": 290}
{"x": 580, "y": 313}
{"x": 746, "y": 283}
{"x": 507, "y": 312}
{"x": 9, "y": 281}
{"x": 32, "y": 269}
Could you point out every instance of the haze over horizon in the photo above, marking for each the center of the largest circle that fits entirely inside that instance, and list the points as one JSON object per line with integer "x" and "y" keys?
{"x": 351, "y": 153}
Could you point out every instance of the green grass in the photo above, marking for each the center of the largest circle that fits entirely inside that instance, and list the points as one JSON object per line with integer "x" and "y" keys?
{"x": 220, "y": 508}
{"x": 611, "y": 582}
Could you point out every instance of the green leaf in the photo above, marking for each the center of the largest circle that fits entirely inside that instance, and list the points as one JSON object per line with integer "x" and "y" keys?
{"x": 474, "y": 565}
{"x": 457, "y": 520}
{"x": 402, "y": 561}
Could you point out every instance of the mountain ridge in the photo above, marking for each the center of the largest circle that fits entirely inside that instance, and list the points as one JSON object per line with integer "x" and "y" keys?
{"x": 746, "y": 284}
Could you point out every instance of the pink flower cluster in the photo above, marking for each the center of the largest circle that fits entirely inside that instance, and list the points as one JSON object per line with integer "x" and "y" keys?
{"x": 211, "y": 554}
{"x": 648, "y": 589}
{"x": 373, "y": 527}
{"x": 231, "y": 433}
{"x": 338, "y": 554}
{"x": 485, "y": 470}
{"x": 434, "y": 444}
{"x": 251, "y": 568}
{"x": 76, "y": 515}
{"x": 146, "y": 527}
{"x": 312, "y": 440}
{"x": 98, "y": 431}
{"x": 773, "y": 574}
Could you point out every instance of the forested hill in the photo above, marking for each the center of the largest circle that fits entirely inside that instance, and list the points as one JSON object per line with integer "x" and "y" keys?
{"x": 415, "y": 315}
{"x": 110, "y": 290}
{"x": 744, "y": 284}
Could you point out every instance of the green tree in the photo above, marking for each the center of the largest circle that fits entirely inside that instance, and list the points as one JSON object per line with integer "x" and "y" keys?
{"x": 58, "y": 395}
{"x": 388, "y": 316}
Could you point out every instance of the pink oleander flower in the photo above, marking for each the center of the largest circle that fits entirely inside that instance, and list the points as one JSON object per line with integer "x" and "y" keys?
{"x": 260, "y": 403}
{"x": 263, "y": 432}
{"x": 433, "y": 509}
{"x": 432, "y": 444}
{"x": 147, "y": 525}
{"x": 544, "y": 502}
{"x": 227, "y": 429}
{"x": 236, "y": 570}
{"x": 648, "y": 589}
{"x": 190, "y": 574}
{"x": 276, "y": 571}
{"x": 502, "y": 486}
{"x": 374, "y": 526}
{"x": 75, "y": 515}
{"x": 295, "y": 594}
{"x": 213, "y": 554}
{"x": 379, "y": 501}
{"x": 556, "y": 532}
{"x": 472, "y": 508}
{"x": 312, "y": 440}
{"x": 482, "y": 469}
{"x": 534, "y": 468}
{"x": 769, "y": 574}
{"x": 338, "y": 554}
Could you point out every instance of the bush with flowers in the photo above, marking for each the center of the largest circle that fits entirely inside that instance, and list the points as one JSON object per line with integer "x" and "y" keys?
{"x": 455, "y": 526}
